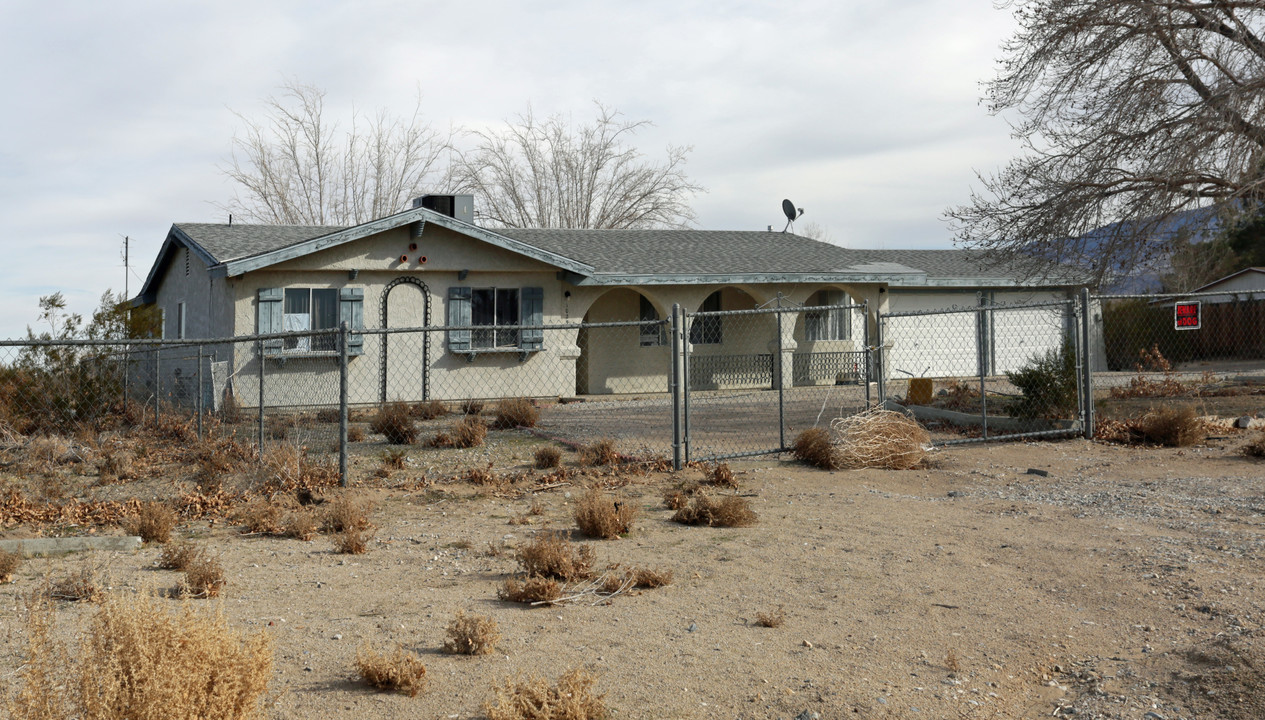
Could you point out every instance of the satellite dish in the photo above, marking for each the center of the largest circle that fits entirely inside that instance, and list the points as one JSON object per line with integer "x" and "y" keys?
{"x": 788, "y": 209}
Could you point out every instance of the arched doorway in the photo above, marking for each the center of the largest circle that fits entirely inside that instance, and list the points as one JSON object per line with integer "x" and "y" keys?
{"x": 632, "y": 358}
{"x": 405, "y": 380}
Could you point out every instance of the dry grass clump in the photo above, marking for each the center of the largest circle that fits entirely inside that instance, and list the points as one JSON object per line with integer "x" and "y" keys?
{"x": 571, "y": 698}
{"x": 547, "y": 457}
{"x": 675, "y": 498}
{"x": 428, "y": 410}
{"x": 179, "y": 556}
{"x": 649, "y": 578}
{"x": 203, "y": 577}
{"x": 470, "y": 431}
{"x": 355, "y": 433}
{"x": 153, "y": 522}
{"x": 472, "y": 635}
{"x": 1173, "y": 426}
{"x": 599, "y": 452}
{"x": 84, "y": 585}
{"x": 394, "y": 421}
{"x": 471, "y": 407}
{"x": 9, "y": 563}
{"x": 531, "y": 589}
{"x": 300, "y": 525}
{"x": 951, "y": 661}
{"x": 600, "y": 516}
{"x": 140, "y": 659}
{"x": 773, "y": 619}
{"x": 481, "y": 476}
{"x": 1256, "y": 446}
{"x": 116, "y": 466}
{"x": 401, "y": 671}
{"x": 48, "y": 451}
{"x": 347, "y": 512}
{"x": 259, "y": 517}
{"x": 394, "y": 458}
{"x": 721, "y": 476}
{"x": 880, "y": 438}
{"x": 813, "y": 447}
{"x": 352, "y": 541}
{"x": 552, "y": 555}
{"x": 515, "y": 412}
{"x": 729, "y": 511}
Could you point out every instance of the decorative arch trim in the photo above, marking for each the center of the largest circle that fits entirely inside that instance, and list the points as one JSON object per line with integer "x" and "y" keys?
{"x": 382, "y": 373}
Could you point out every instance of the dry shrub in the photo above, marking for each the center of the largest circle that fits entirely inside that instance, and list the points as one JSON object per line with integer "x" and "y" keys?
{"x": 880, "y": 438}
{"x": 471, "y": 407}
{"x": 153, "y": 522}
{"x": 9, "y": 563}
{"x": 395, "y": 423}
{"x": 116, "y": 466}
{"x": 394, "y": 458}
{"x": 48, "y": 451}
{"x": 472, "y": 635}
{"x": 51, "y": 487}
{"x": 772, "y": 619}
{"x": 531, "y": 589}
{"x": 729, "y": 511}
{"x": 675, "y": 498}
{"x": 552, "y": 555}
{"x": 259, "y": 516}
{"x": 548, "y": 457}
{"x": 216, "y": 458}
{"x": 401, "y": 671}
{"x": 179, "y": 556}
{"x": 352, "y": 541}
{"x": 721, "y": 476}
{"x": 536, "y": 508}
{"x": 355, "y": 433}
{"x": 813, "y": 447}
{"x": 231, "y": 409}
{"x": 650, "y": 578}
{"x": 571, "y": 698}
{"x": 1256, "y": 446}
{"x": 140, "y": 659}
{"x": 279, "y": 427}
{"x": 481, "y": 476}
{"x": 515, "y": 412}
{"x": 523, "y": 519}
{"x": 599, "y": 452}
{"x": 328, "y": 415}
{"x": 84, "y": 585}
{"x": 428, "y": 410}
{"x": 1173, "y": 426}
{"x": 469, "y": 432}
{"x": 600, "y": 516}
{"x": 203, "y": 577}
{"x": 345, "y": 513}
{"x": 300, "y": 525}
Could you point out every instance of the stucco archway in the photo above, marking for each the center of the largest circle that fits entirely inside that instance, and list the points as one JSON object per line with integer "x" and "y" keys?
{"x": 384, "y": 365}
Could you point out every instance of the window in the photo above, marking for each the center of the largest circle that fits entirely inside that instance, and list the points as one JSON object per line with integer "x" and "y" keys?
{"x": 310, "y": 309}
{"x": 494, "y": 306}
{"x": 828, "y": 324}
{"x": 180, "y": 321}
{"x": 481, "y": 309}
{"x": 653, "y": 332}
{"x": 706, "y": 330}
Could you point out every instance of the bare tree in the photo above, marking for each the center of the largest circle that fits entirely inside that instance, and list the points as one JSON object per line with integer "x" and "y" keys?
{"x": 535, "y": 173}
{"x": 295, "y": 167}
{"x": 1132, "y": 111}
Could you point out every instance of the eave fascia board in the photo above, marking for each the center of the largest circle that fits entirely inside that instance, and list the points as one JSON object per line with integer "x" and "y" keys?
{"x": 893, "y": 280}
{"x": 174, "y": 236}
{"x": 244, "y": 265}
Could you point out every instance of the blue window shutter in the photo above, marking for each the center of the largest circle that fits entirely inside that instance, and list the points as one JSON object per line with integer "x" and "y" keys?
{"x": 270, "y": 307}
{"x": 459, "y": 316}
{"x": 532, "y": 308}
{"x": 351, "y": 310}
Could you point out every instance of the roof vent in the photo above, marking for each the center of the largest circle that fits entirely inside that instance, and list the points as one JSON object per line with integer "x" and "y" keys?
{"x": 460, "y": 207}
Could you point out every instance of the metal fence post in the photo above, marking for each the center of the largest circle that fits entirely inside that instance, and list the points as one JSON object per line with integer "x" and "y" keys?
{"x": 981, "y": 354}
{"x": 261, "y": 400}
{"x": 879, "y": 359}
{"x": 675, "y": 385}
{"x": 158, "y": 380}
{"x": 685, "y": 384}
{"x": 200, "y": 408}
{"x": 342, "y": 402}
{"x": 869, "y": 353}
{"x": 781, "y": 381}
{"x": 1087, "y": 374}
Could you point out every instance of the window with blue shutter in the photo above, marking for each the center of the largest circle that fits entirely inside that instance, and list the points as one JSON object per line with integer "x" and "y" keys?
{"x": 533, "y": 314}
{"x": 459, "y": 316}
{"x": 270, "y": 318}
{"x": 351, "y": 310}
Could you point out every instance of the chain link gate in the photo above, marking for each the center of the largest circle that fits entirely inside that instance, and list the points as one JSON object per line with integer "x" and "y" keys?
{"x": 753, "y": 379}
{"x": 988, "y": 372}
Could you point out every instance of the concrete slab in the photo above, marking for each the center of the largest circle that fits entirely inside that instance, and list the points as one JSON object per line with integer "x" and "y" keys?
{"x": 39, "y": 547}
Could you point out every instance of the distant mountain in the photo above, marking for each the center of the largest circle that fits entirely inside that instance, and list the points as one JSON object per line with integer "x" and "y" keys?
{"x": 1199, "y": 225}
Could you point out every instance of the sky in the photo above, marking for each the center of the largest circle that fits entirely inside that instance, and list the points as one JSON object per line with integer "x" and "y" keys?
{"x": 122, "y": 114}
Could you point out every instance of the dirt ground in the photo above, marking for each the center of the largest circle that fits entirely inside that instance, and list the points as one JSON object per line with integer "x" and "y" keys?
{"x": 1019, "y": 580}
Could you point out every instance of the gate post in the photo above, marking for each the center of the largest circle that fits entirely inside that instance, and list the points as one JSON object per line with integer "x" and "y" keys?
{"x": 1087, "y": 375}
{"x": 869, "y": 354}
{"x": 879, "y": 359}
{"x": 981, "y": 355}
{"x": 675, "y": 385}
{"x": 261, "y": 400}
{"x": 200, "y": 392}
{"x": 780, "y": 374}
{"x": 342, "y": 402}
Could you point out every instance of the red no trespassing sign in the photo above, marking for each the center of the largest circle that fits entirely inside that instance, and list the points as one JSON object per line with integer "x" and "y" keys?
{"x": 1186, "y": 315}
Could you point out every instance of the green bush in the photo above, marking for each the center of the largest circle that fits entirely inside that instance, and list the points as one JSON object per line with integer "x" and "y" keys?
{"x": 1048, "y": 383}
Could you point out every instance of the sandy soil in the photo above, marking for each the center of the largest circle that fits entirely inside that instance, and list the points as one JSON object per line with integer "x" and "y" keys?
{"x": 1113, "y": 582}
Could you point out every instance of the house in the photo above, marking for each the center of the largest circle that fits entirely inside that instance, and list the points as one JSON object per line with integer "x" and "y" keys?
{"x": 432, "y": 266}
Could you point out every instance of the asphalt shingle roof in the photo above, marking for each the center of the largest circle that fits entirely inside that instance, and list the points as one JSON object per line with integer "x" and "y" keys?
{"x": 230, "y": 242}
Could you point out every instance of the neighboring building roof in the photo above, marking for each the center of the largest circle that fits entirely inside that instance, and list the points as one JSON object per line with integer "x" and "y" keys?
{"x": 609, "y": 257}
{"x": 1212, "y": 286}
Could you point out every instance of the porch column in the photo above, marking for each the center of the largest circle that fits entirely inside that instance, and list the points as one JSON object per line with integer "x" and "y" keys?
{"x": 876, "y": 297}
{"x": 784, "y": 373}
